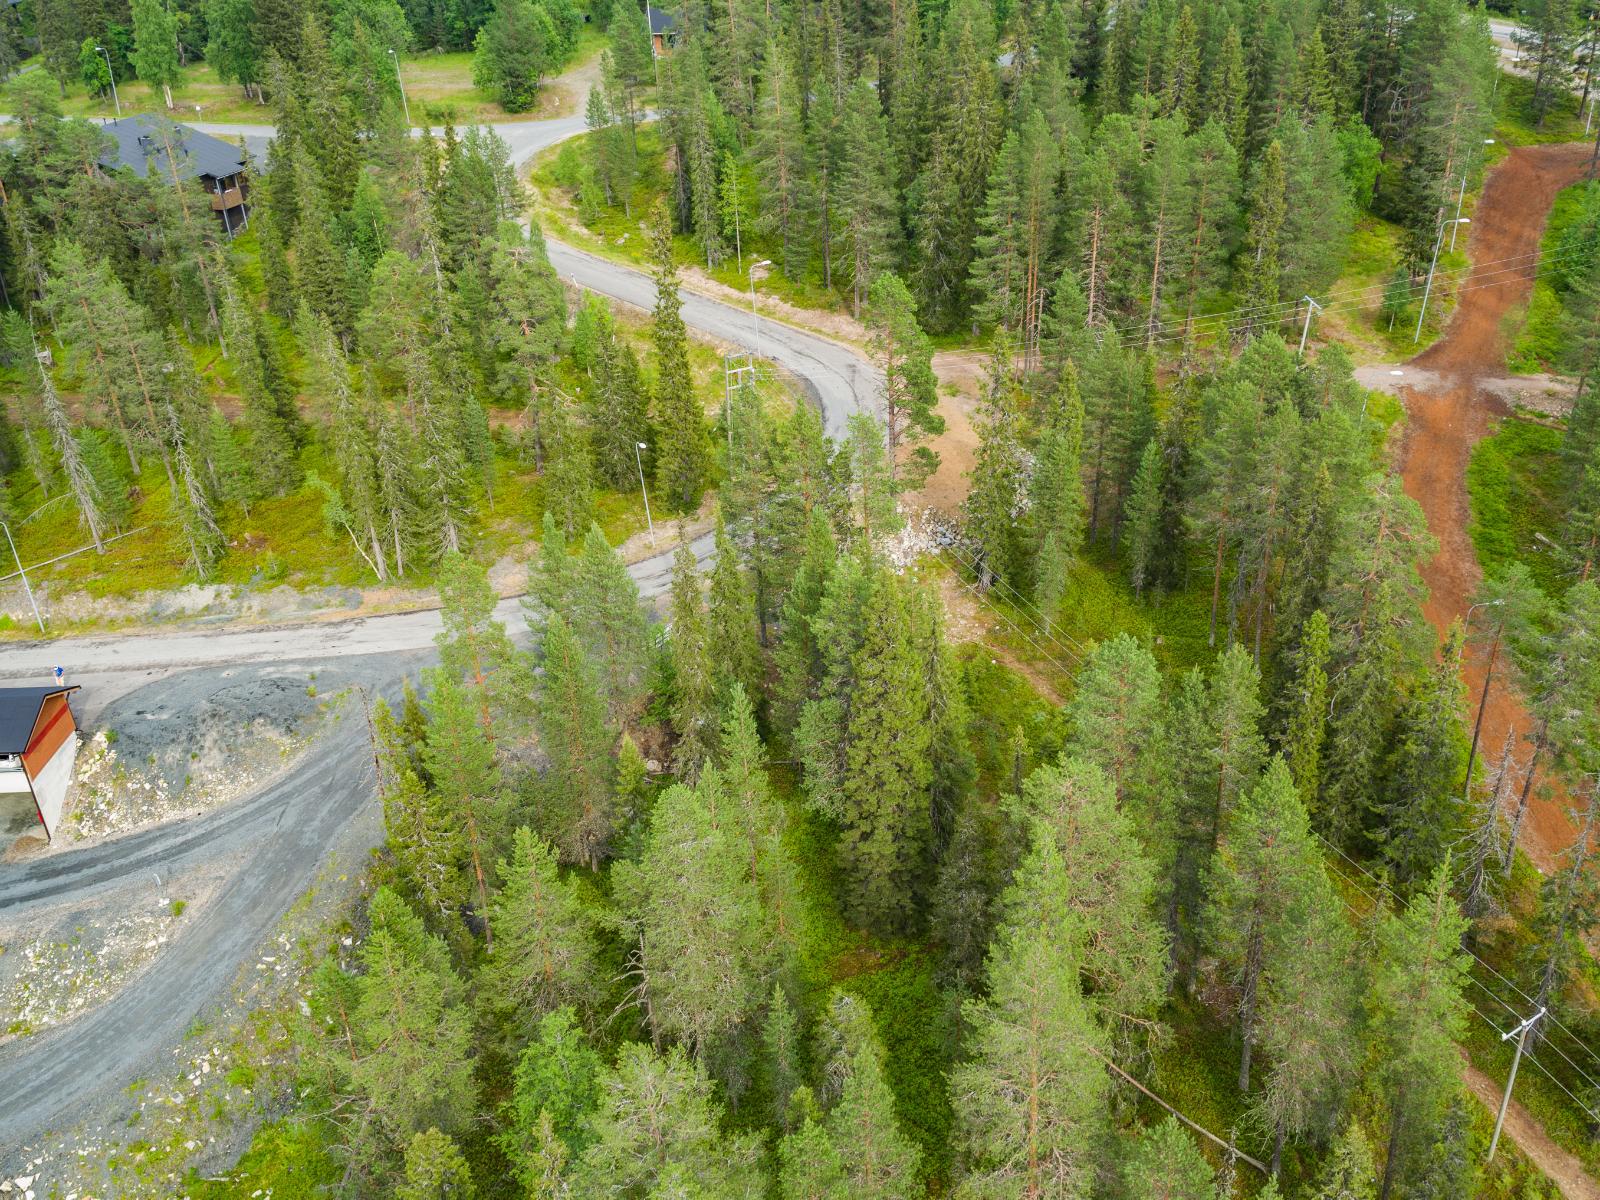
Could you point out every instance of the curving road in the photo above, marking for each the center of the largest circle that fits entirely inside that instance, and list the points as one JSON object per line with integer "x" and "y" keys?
{"x": 281, "y": 835}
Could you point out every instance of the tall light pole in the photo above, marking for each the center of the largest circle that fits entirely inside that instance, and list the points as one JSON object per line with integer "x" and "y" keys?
{"x": 1521, "y": 1034}
{"x": 639, "y": 460}
{"x": 755, "y": 317}
{"x": 1428, "y": 290}
{"x": 1462, "y": 195}
{"x": 111, "y": 72}
{"x": 32, "y": 603}
{"x": 1483, "y": 698}
{"x": 401, "y": 83}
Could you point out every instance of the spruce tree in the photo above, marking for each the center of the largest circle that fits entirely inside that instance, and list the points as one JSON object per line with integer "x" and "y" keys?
{"x": 1418, "y": 1015}
{"x": 731, "y": 623}
{"x": 475, "y": 649}
{"x": 1143, "y": 517}
{"x": 1166, "y": 1164}
{"x": 435, "y": 1170}
{"x": 694, "y": 686}
{"x": 682, "y": 455}
{"x": 556, "y": 1093}
{"x": 1263, "y": 238}
{"x": 603, "y": 605}
{"x": 1017, "y": 230}
{"x": 1056, "y": 495}
{"x": 575, "y": 795}
{"x": 865, "y": 210}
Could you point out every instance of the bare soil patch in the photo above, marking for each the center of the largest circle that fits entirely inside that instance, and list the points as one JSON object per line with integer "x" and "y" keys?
{"x": 1450, "y": 416}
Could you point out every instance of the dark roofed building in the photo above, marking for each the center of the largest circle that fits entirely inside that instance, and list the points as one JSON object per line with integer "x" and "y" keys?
{"x": 141, "y": 146}
{"x": 663, "y": 29}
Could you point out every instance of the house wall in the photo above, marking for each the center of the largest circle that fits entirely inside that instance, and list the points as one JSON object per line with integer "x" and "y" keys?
{"x": 50, "y": 785}
{"x": 54, "y": 726}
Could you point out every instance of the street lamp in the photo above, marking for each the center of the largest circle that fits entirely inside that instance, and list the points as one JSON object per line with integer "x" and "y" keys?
{"x": 1428, "y": 290}
{"x": 112, "y": 72}
{"x": 1462, "y": 195}
{"x": 755, "y": 317}
{"x": 33, "y": 603}
{"x": 638, "y": 446}
{"x": 402, "y": 85}
{"x": 1483, "y": 698}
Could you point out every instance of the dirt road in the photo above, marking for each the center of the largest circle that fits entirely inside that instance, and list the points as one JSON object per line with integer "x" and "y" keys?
{"x": 1448, "y": 417}
{"x": 1563, "y": 1169}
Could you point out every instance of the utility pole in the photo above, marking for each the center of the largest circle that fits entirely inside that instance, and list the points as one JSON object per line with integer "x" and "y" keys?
{"x": 1428, "y": 290}
{"x": 111, "y": 72}
{"x": 401, "y": 83}
{"x": 1311, "y": 307}
{"x": 638, "y": 446}
{"x": 32, "y": 603}
{"x": 1483, "y": 697}
{"x": 1521, "y": 1034}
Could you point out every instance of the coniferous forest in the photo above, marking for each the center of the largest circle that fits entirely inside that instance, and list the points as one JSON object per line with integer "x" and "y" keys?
{"x": 1190, "y": 874}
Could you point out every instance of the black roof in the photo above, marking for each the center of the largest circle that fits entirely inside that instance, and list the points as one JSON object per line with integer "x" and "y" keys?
{"x": 19, "y": 713}
{"x": 661, "y": 21}
{"x": 139, "y": 144}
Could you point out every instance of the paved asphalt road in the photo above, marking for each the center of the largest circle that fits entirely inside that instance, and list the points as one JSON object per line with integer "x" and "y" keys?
{"x": 281, "y": 834}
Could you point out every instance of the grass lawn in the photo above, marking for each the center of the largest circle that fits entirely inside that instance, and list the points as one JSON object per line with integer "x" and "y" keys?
{"x": 1514, "y": 484}
{"x": 1539, "y": 344}
{"x": 438, "y": 87}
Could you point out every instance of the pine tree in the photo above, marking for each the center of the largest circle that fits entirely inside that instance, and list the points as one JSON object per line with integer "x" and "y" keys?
{"x": 1110, "y": 887}
{"x": 568, "y": 469}
{"x": 425, "y": 837}
{"x": 1030, "y": 1100}
{"x": 409, "y": 1029}
{"x": 783, "y": 171}
{"x": 658, "y": 1128}
{"x": 1546, "y": 38}
{"x": 910, "y": 391}
{"x": 575, "y": 808}
{"x": 682, "y": 455}
{"x": 546, "y": 955}
{"x": 702, "y": 951}
{"x": 460, "y": 763}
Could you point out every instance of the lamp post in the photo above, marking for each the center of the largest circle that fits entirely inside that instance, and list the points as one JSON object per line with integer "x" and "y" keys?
{"x": 1483, "y": 697}
{"x": 26, "y": 587}
{"x": 755, "y": 317}
{"x": 401, "y": 83}
{"x": 1462, "y": 195}
{"x": 1428, "y": 290}
{"x": 112, "y": 73}
{"x": 639, "y": 460}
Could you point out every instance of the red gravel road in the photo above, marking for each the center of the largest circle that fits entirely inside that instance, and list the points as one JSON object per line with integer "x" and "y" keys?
{"x": 1446, "y": 421}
